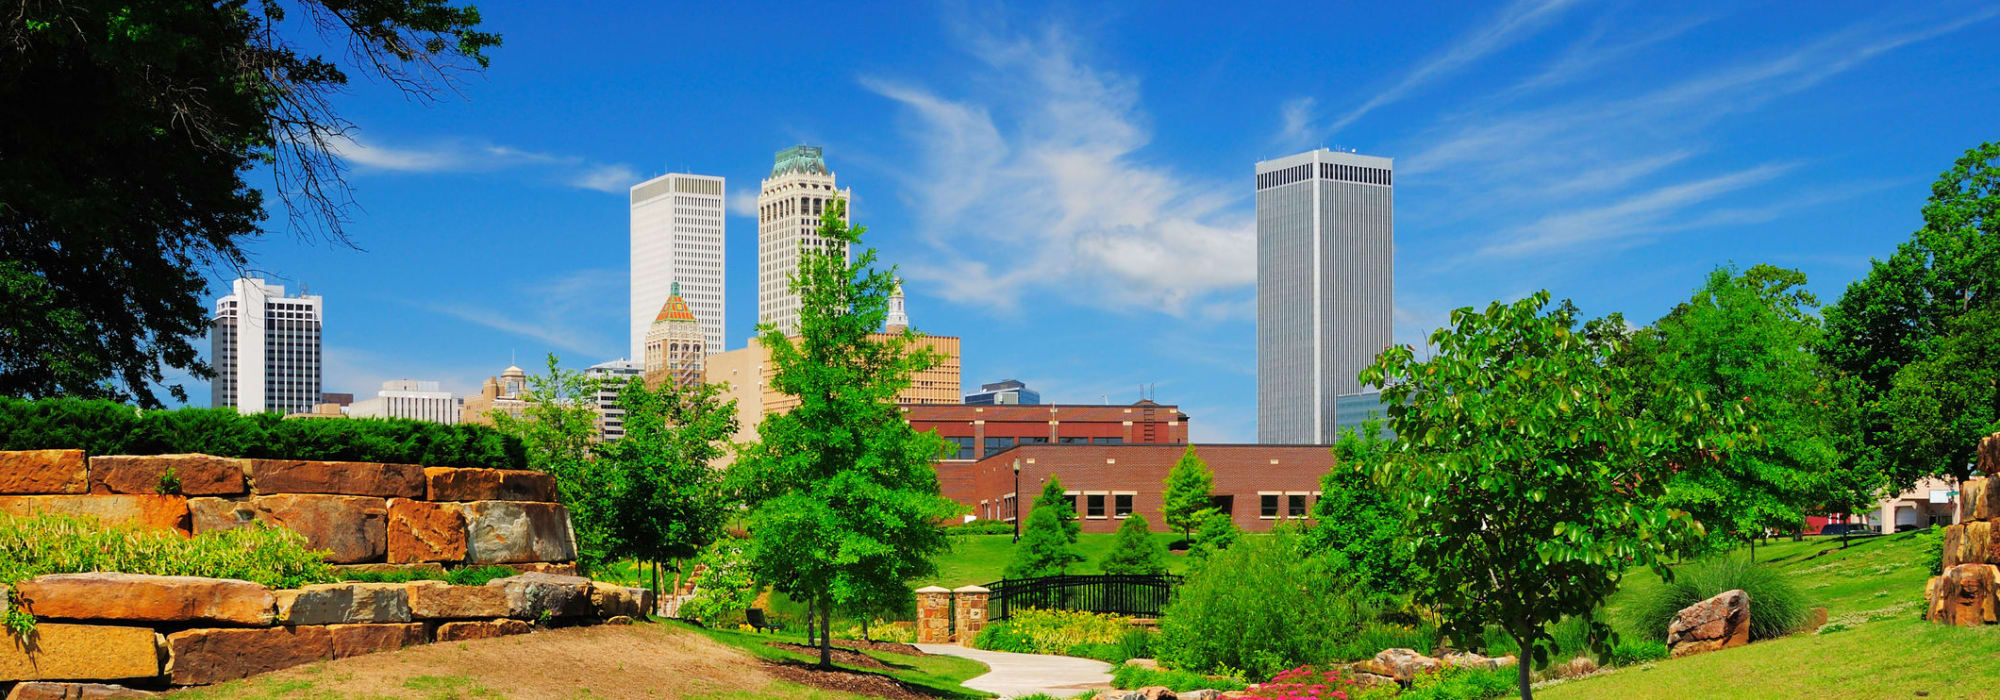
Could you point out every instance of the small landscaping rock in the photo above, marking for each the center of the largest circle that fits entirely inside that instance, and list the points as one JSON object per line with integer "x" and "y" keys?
{"x": 141, "y": 598}
{"x": 1400, "y": 664}
{"x": 479, "y": 629}
{"x": 284, "y": 476}
{"x": 506, "y": 532}
{"x": 149, "y": 511}
{"x": 67, "y": 652}
{"x": 1476, "y": 661}
{"x": 344, "y": 603}
{"x": 450, "y": 484}
{"x": 356, "y": 640}
{"x": 203, "y": 656}
{"x": 437, "y": 600}
{"x": 43, "y": 690}
{"x": 421, "y": 531}
{"x": 1720, "y": 622}
{"x": 42, "y": 471}
{"x": 194, "y": 474}
{"x": 1203, "y": 694}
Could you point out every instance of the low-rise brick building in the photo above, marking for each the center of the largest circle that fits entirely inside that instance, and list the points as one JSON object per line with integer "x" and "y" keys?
{"x": 979, "y": 431}
{"x": 1258, "y": 485}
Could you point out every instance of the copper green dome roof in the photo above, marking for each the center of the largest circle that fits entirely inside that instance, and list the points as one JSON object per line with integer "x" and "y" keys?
{"x": 799, "y": 159}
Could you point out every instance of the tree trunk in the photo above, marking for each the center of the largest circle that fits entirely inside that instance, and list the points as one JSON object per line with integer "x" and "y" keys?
{"x": 864, "y": 629}
{"x": 655, "y": 585}
{"x": 1525, "y": 656}
{"x": 825, "y": 638}
{"x": 812, "y": 620}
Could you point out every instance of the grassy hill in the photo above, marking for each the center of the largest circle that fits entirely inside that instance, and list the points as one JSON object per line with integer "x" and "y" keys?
{"x": 1874, "y": 644}
{"x": 979, "y": 559}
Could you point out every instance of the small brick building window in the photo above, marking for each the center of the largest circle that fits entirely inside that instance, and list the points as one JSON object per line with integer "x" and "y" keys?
{"x": 1121, "y": 504}
{"x": 1267, "y": 505}
{"x": 1094, "y": 505}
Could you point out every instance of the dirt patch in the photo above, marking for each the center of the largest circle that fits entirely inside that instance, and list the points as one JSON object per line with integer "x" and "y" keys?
{"x": 891, "y": 647}
{"x": 636, "y": 661}
{"x": 848, "y": 657}
{"x": 855, "y": 682}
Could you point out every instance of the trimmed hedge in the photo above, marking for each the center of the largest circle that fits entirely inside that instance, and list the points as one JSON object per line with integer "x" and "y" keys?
{"x": 101, "y": 427}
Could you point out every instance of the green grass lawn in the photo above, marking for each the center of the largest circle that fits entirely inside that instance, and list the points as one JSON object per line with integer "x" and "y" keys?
{"x": 980, "y": 559}
{"x": 1873, "y": 646}
{"x": 938, "y": 676}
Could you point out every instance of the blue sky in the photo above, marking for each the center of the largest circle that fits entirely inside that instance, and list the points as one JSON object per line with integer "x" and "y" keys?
{"x": 1068, "y": 187}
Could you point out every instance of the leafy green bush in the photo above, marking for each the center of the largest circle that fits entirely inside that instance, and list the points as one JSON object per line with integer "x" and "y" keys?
{"x": 1637, "y": 651}
{"x": 1131, "y": 677}
{"x": 981, "y": 527}
{"x": 61, "y": 544}
{"x": 1777, "y": 608}
{"x": 1462, "y": 684}
{"x": 1260, "y": 607}
{"x": 1134, "y": 550}
{"x": 726, "y": 590}
{"x": 1032, "y": 631}
{"x": 1930, "y": 550}
{"x": 107, "y": 427}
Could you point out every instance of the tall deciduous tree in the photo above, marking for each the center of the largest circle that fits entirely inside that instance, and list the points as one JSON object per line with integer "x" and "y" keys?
{"x": 1899, "y": 314}
{"x": 1359, "y": 524}
{"x": 557, "y": 427}
{"x": 127, "y": 128}
{"x": 1046, "y": 547}
{"x": 672, "y": 504}
{"x": 1532, "y": 481}
{"x": 844, "y": 503}
{"x": 1190, "y": 490}
{"x": 1134, "y": 550}
{"x": 1064, "y": 508}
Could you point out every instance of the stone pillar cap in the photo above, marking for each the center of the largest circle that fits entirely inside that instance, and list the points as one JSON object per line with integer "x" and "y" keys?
{"x": 933, "y": 589}
{"x": 970, "y": 589}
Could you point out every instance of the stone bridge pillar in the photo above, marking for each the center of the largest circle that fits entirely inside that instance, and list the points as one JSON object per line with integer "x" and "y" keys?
{"x": 933, "y": 615}
{"x": 971, "y": 612}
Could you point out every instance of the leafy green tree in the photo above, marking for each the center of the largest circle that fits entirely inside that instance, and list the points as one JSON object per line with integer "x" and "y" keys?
{"x": 726, "y": 588}
{"x": 1065, "y": 509}
{"x": 844, "y": 504}
{"x": 1046, "y": 548}
{"x": 558, "y": 427}
{"x": 1532, "y": 480}
{"x": 1217, "y": 532}
{"x": 1134, "y": 550}
{"x": 1938, "y": 407}
{"x": 1750, "y": 337}
{"x": 1898, "y": 314}
{"x": 1190, "y": 488}
{"x": 127, "y": 129}
{"x": 1358, "y": 524}
{"x": 672, "y": 504}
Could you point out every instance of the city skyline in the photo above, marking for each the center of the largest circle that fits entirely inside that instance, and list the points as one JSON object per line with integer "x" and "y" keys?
{"x": 1064, "y": 191}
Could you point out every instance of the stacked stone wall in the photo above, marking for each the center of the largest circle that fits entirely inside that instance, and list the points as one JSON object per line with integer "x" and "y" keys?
{"x": 1967, "y": 592}
{"x": 152, "y": 632}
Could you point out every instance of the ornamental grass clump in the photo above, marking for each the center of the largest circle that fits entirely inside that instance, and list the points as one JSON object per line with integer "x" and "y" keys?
{"x": 1777, "y": 608}
{"x": 61, "y": 544}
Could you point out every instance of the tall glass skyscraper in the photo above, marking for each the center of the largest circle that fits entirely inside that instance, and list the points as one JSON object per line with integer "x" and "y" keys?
{"x": 1326, "y": 251}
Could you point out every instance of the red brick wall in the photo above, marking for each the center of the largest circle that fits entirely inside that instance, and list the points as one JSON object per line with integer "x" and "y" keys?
{"x": 1134, "y": 424}
{"x": 1241, "y": 471}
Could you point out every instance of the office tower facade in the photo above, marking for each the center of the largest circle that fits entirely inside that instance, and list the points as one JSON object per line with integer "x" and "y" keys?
{"x": 612, "y": 377}
{"x": 677, "y": 236}
{"x": 789, "y": 205}
{"x": 1010, "y": 392}
{"x": 265, "y": 347}
{"x": 408, "y": 398}
{"x": 675, "y": 348}
{"x": 1325, "y": 286}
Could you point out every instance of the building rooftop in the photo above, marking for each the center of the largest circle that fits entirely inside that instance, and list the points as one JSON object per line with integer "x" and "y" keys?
{"x": 676, "y": 308}
{"x": 799, "y": 159}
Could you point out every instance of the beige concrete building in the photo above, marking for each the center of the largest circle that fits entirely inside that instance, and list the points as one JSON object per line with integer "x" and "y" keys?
{"x": 506, "y": 393}
{"x": 748, "y": 371}
{"x": 675, "y": 345}
{"x": 789, "y": 206}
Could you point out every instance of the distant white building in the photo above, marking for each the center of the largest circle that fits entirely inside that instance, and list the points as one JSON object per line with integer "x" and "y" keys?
{"x": 677, "y": 226}
{"x": 611, "y": 417}
{"x": 408, "y": 398}
{"x": 789, "y": 206}
{"x": 265, "y": 347}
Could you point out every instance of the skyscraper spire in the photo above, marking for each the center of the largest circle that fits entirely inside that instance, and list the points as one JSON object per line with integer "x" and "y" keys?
{"x": 898, "y": 320}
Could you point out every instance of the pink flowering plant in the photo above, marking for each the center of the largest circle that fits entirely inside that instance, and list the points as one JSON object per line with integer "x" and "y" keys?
{"x": 1303, "y": 683}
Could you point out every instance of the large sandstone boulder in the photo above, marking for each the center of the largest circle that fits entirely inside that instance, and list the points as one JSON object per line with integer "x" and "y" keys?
{"x": 543, "y": 567}
{"x": 45, "y": 690}
{"x": 148, "y": 511}
{"x": 1964, "y": 595}
{"x": 273, "y": 476}
{"x": 42, "y": 471}
{"x": 203, "y": 656}
{"x": 1400, "y": 664}
{"x": 196, "y": 474}
{"x": 531, "y": 595}
{"x": 350, "y": 528}
{"x": 611, "y": 600}
{"x": 141, "y": 598}
{"x": 437, "y": 600}
{"x": 60, "y": 651}
{"x": 422, "y": 531}
{"x": 1720, "y": 622}
{"x": 1975, "y": 500}
{"x": 479, "y": 629}
{"x": 414, "y": 570}
{"x": 356, "y": 640}
{"x": 1969, "y": 543}
{"x": 343, "y": 603}
{"x": 1989, "y": 455}
{"x": 452, "y": 484}
{"x": 504, "y": 532}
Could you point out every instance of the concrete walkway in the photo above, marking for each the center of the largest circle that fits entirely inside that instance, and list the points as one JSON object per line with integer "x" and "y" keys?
{"x": 1014, "y": 675}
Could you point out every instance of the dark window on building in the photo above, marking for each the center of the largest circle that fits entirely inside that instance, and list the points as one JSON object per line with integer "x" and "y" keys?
{"x": 1107, "y": 441}
{"x": 1296, "y": 505}
{"x": 1034, "y": 441}
{"x": 1225, "y": 505}
{"x": 1069, "y": 501}
{"x": 1072, "y": 441}
{"x": 1268, "y": 505}
{"x": 1095, "y": 503}
{"x": 1121, "y": 505}
{"x": 964, "y": 447}
{"x": 1007, "y": 508}
{"x": 995, "y": 444}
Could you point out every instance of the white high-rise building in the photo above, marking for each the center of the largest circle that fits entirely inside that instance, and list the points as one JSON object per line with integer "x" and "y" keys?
{"x": 789, "y": 205}
{"x": 677, "y": 236}
{"x": 612, "y": 377}
{"x": 1326, "y": 270}
{"x": 265, "y": 347}
{"x": 408, "y": 398}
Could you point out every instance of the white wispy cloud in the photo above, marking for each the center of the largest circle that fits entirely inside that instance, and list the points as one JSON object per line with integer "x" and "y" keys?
{"x": 1624, "y": 222}
{"x": 457, "y": 156}
{"x": 565, "y": 312}
{"x": 742, "y": 202}
{"x": 1044, "y": 161}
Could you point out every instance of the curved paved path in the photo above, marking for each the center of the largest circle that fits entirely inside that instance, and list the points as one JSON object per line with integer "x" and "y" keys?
{"x": 1015, "y": 675}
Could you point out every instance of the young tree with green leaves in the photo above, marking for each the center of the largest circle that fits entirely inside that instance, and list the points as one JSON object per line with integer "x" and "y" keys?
{"x": 1532, "y": 480}
{"x": 1216, "y": 533}
{"x": 1358, "y": 524}
{"x": 1046, "y": 547}
{"x": 1059, "y": 501}
{"x": 128, "y": 130}
{"x": 559, "y": 428}
{"x": 1134, "y": 550}
{"x": 672, "y": 504}
{"x": 844, "y": 505}
{"x": 1190, "y": 490}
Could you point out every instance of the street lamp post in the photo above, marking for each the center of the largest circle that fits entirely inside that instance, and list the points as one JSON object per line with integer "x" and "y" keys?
{"x": 1017, "y": 500}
